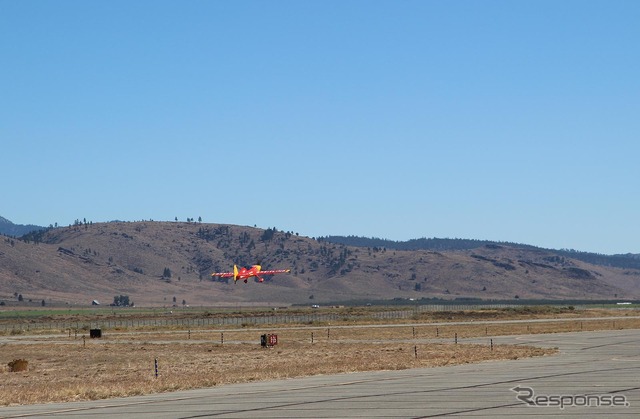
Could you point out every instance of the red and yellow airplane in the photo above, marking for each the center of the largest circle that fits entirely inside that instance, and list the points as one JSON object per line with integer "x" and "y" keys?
{"x": 246, "y": 273}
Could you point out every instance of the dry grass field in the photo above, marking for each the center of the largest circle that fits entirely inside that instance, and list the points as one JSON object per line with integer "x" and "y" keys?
{"x": 63, "y": 366}
{"x": 109, "y": 369}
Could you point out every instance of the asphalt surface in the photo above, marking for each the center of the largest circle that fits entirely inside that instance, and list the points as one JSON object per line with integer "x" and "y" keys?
{"x": 596, "y": 374}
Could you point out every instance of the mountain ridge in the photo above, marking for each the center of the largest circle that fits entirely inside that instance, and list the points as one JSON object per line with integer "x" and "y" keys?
{"x": 8, "y": 228}
{"x": 156, "y": 262}
{"x": 628, "y": 260}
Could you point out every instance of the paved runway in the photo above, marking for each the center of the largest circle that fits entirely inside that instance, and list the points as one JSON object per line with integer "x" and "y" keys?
{"x": 597, "y": 374}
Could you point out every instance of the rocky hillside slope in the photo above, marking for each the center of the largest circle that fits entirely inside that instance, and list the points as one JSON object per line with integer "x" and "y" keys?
{"x": 155, "y": 263}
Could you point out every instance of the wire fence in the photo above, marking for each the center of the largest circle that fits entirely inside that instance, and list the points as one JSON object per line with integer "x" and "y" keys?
{"x": 240, "y": 321}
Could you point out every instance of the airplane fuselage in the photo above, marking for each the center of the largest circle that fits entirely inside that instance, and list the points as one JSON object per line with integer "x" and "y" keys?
{"x": 245, "y": 273}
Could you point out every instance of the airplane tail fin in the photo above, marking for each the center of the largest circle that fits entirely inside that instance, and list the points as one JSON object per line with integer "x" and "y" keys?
{"x": 235, "y": 273}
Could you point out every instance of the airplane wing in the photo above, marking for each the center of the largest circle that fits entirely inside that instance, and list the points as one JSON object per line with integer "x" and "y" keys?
{"x": 276, "y": 271}
{"x": 223, "y": 274}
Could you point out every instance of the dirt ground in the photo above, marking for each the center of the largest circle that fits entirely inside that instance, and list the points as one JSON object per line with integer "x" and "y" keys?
{"x": 65, "y": 366}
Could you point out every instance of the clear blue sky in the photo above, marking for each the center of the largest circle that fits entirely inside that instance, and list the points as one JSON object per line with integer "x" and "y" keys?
{"x": 500, "y": 120}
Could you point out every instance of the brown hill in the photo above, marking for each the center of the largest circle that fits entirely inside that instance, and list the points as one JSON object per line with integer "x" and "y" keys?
{"x": 153, "y": 262}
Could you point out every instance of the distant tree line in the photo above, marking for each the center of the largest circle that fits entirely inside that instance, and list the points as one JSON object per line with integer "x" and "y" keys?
{"x": 628, "y": 261}
{"x": 414, "y": 244}
{"x": 35, "y": 236}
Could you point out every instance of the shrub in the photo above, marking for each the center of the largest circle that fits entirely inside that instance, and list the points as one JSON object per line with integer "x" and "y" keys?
{"x": 18, "y": 365}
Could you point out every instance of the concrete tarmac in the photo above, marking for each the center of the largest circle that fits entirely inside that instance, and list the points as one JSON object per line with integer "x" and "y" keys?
{"x": 596, "y": 374}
